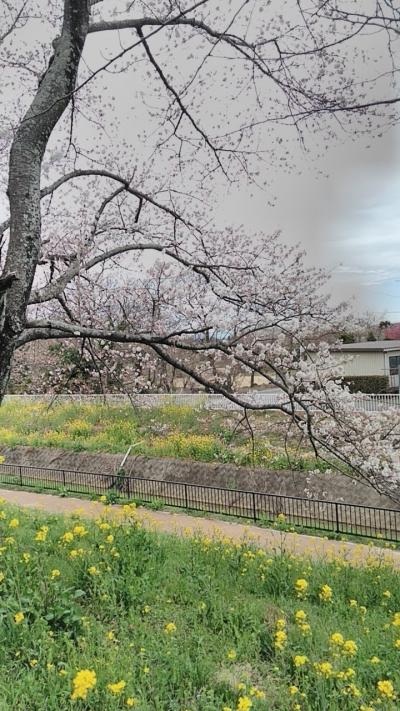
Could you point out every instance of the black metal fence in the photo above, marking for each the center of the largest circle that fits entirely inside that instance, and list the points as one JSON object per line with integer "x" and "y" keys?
{"x": 331, "y": 516}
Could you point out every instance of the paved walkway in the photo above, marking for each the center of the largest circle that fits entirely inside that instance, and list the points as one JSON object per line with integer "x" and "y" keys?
{"x": 183, "y": 524}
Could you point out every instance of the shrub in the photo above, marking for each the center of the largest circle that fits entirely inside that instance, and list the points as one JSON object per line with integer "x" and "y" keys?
{"x": 368, "y": 383}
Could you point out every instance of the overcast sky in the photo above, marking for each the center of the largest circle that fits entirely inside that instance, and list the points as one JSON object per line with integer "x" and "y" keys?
{"x": 345, "y": 210}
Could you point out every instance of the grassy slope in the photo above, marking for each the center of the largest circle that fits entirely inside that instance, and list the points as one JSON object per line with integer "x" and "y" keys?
{"x": 108, "y": 609}
{"x": 168, "y": 431}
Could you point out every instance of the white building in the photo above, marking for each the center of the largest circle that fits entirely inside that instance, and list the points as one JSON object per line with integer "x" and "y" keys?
{"x": 373, "y": 358}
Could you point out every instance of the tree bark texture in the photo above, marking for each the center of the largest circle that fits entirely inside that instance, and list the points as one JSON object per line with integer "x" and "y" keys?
{"x": 51, "y": 99}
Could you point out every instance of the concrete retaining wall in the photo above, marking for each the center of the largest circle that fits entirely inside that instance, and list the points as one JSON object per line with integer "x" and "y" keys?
{"x": 331, "y": 487}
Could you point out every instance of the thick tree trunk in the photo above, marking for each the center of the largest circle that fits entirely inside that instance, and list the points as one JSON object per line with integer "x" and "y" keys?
{"x": 52, "y": 97}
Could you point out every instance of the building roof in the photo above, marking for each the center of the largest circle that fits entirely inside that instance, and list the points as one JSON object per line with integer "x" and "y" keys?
{"x": 371, "y": 346}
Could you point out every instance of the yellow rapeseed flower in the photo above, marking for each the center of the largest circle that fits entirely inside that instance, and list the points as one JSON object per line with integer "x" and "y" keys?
{"x": 349, "y": 648}
{"x": 231, "y": 654}
{"x": 325, "y": 594}
{"x": 19, "y": 617}
{"x": 299, "y": 660}
{"x": 80, "y": 531}
{"x": 300, "y": 616}
{"x": 323, "y": 669}
{"x": 301, "y": 586}
{"x": 131, "y": 701}
{"x": 116, "y": 688}
{"x": 170, "y": 627}
{"x": 55, "y": 574}
{"x": 280, "y": 639}
{"x": 14, "y": 523}
{"x": 244, "y": 703}
{"x": 386, "y": 689}
{"x": 336, "y": 639}
{"x": 84, "y": 681}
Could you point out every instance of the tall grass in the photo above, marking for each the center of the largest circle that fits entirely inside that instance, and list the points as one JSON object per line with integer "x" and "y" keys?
{"x": 169, "y": 431}
{"x": 108, "y": 615}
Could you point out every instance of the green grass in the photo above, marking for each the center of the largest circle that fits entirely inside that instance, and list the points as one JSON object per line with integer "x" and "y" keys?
{"x": 169, "y": 431}
{"x": 185, "y": 624}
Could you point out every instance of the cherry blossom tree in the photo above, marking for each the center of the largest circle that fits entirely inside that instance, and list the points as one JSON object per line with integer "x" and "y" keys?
{"x": 119, "y": 122}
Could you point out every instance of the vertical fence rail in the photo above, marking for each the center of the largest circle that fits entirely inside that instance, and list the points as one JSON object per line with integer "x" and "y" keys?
{"x": 331, "y": 516}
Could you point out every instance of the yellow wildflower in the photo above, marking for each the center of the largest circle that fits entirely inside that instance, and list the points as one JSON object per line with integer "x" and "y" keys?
{"x": 396, "y": 619}
{"x": 300, "y": 616}
{"x": 244, "y": 703}
{"x": 337, "y": 639}
{"x": 14, "y": 523}
{"x": 68, "y": 537}
{"x": 349, "y": 648}
{"x": 386, "y": 689}
{"x": 387, "y": 594}
{"x": 33, "y": 663}
{"x": 170, "y": 627}
{"x": 300, "y": 660}
{"x": 19, "y": 617}
{"x": 325, "y": 594}
{"x": 301, "y": 586}
{"x": 80, "y": 531}
{"x": 293, "y": 690}
{"x": 231, "y": 654}
{"x": 280, "y": 639}
{"x": 93, "y": 570}
{"x": 374, "y": 660}
{"x": 116, "y": 688}
{"x": 397, "y": 643}
{"x": 131, "y": 701}
{"x": 83, "y": 681}
{"x": 55, "y": 574}
{"x": 323, "y": 668}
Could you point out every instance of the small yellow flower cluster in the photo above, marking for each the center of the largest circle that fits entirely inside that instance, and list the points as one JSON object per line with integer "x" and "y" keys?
{"x": 41, "y": 534}
{"x": 280, "y": 636}
{"x": 84, "y": 681}
{"x": 300, "y": 660}
{"x": 116, "y": 688}
{"x": 324, "y": 669}
{"x": 170, "y": 628}
{"x": 301, "y": 621}
{"x": 325, "y": 594}
{"x": 301, "y": 587}
{"x": 386, "y": 689}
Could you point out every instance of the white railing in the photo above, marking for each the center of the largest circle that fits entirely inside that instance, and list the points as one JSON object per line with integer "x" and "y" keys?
{"x": 210, "y": 401}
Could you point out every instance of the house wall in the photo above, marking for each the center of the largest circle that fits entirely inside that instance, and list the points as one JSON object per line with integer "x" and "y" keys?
{"x": 362, "y": 363}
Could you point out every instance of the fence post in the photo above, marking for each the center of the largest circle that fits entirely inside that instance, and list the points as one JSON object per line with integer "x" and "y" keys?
{"x": 337, "y": 517}
{"x": 63, "y": 476}
{"x": 186, "y": 497}
{"x": 128, "y": 486}
{"x": 20, "y": 476}
{"x": 254, "y": 507}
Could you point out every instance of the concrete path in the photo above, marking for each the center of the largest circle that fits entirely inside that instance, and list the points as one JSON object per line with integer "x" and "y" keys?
{"x": 184, "y": 525}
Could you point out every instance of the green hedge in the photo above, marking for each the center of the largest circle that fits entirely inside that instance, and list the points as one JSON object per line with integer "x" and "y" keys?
{"x": 368, "y": 383}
